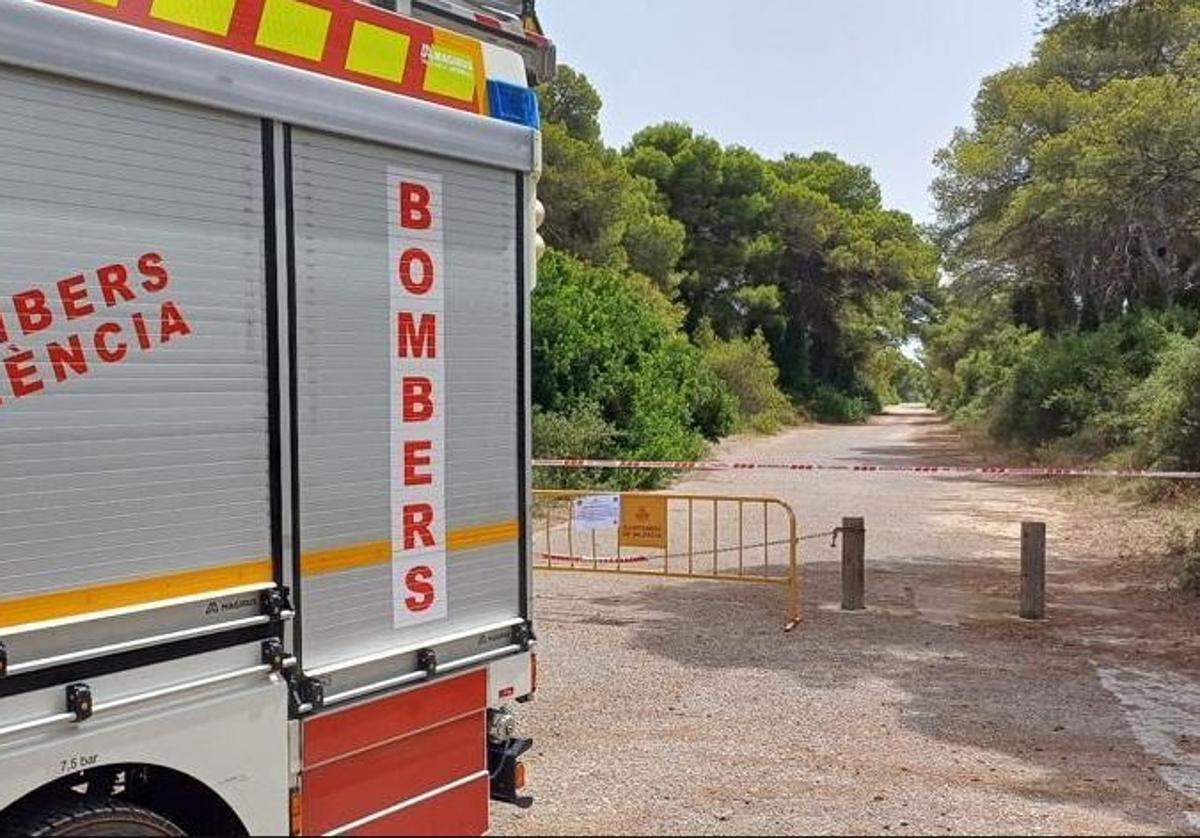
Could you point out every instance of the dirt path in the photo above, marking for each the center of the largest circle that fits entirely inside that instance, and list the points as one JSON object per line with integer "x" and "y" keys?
{"x": 681, "y": 708}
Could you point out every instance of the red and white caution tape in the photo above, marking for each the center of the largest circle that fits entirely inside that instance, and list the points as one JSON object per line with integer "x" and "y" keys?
{"x": 862, "y": 468}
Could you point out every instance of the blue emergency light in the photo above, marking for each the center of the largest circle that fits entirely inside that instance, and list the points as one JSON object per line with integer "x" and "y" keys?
{"x": 514, "y": 103}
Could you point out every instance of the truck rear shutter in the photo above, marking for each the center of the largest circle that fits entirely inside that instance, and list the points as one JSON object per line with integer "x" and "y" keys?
{"x": 140, "y": 470}
{"x": 344, "y": 279}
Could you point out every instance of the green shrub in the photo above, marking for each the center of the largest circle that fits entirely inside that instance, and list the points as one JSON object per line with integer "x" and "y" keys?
{"x": 613, "y": 375}
{"x": 982, "y": 376}
{"x": 1081, "y": 384}
{"x": 1128, "y": 390}
{"x": 1168, "y": 408}
{"x": 1184, "y": 550}
{"x": 895, "y": 378}
{"x": 828, "y": 404}
{"x": 913, "y": 384}
{"x": 581, "y": 433}
{"x": 748, "y": 371}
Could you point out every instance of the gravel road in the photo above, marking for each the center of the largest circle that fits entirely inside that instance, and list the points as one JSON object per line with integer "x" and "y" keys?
{"x": 681, "y": 707}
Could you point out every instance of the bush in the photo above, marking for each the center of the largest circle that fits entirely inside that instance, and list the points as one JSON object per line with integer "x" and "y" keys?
{"x": 1184, "y": 550}
{"x": 1128, "y": 391}
{"x": 1169, "y": 409}
{"x": 828, "y": 404}
{"x": 613, "y": 375}
{"x": 913, "y": 385}
{"x": 582, "y": 433}
{"x": 1081, "y": 384}
{"x": 981, "y": 377}
{"x": 747, "y": 370}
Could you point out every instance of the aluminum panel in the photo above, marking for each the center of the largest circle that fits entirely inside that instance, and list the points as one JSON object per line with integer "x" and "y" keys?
{"x": 344, "y": 336}
{"x": 155, "y": 462}
{"x": 231, "y": 736}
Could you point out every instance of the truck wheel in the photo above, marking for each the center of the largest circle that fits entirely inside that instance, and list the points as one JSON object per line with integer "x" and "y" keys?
{"x": 95, "y": 816}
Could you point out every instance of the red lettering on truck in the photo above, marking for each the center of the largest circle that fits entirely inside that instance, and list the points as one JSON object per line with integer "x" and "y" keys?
{"x": 173, "y": 323}
{"x": 415, "y": 213}
{"x": 419, "y": 583}
{"x": 416, "y": 265}
{"x": 418, "y": 455}
{"x": 114, "y": 282}
{"x": 157, "y": 278}
{"x": 418, "y": 520}
{"x": 32, "y": 312}
{"x": 23, "y": 374}
{"x": 27, "y": 371}
{"x": 106, "y": 352}
{"x": 417, "y": 395}
{"x": 71, "y": 356}
{"x": 143, "y": 334}
{"x": 416, "y": 257}
{"x": 72, "y": 293}
{"x": 417, "y": 341}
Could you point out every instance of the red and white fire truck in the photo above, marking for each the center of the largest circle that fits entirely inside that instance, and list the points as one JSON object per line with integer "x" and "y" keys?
{"x": 265, "y": 270}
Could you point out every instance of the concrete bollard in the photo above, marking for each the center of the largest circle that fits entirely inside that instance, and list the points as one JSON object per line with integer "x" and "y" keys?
{"x": 1033, "y": 571}
{"x": 854, "y": 569}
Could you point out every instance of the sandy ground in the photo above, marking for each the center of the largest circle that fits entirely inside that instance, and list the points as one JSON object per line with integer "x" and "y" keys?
{"x": 682, "y": 708}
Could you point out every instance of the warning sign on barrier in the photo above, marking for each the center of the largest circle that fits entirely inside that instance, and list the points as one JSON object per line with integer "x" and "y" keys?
{"x": 596, "y": 512}
{"x": 644, "y": 521}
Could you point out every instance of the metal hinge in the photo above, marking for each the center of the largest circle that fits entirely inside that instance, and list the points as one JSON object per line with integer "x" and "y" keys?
{"x": 277, "y": 602}
{"x": 523, "y": 636}
{"x": 427, "y": 662}
{"x": 305, "y": 695}
{"x": 273, "y": 654}
{"x": 79, "y": 701}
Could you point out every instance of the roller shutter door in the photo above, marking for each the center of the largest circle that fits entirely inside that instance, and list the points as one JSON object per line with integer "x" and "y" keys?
{"x": 133, "y": 427}
{"x": 345, "y": 209}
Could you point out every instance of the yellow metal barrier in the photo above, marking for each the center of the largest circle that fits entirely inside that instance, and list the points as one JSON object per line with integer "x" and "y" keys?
{"x": 713, "y": 538}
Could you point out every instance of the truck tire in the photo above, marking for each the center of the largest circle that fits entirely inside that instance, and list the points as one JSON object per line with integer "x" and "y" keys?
{"x": 99, "y": 816}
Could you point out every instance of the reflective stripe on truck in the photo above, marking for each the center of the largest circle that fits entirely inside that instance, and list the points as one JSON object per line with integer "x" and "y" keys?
{"x": 93, "y": 600}
{"x": 380, "y": 552}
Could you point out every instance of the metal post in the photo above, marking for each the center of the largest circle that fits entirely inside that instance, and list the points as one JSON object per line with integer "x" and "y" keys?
{"x": 691, "y": 521}
{"x": 741, "y": 538}
{"x": 549, "y": 533}
{"x": 716, "y": 544}
{"x": 766, "y": 539}
{"x": 854, "y": 564}
{"x": 1033, "y": 571}
{"x": 571, "y": 530}
{"x": 793, "y": 574}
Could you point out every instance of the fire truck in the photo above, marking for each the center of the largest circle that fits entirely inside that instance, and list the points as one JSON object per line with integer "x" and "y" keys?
{"x": 265, "y": 269}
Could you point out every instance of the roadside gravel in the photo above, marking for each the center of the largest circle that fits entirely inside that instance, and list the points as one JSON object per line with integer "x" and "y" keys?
{"x": 681, "y": 707}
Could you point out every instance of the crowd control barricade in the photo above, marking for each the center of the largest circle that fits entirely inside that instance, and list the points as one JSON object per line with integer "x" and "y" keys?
{"x": 714, "y": 538}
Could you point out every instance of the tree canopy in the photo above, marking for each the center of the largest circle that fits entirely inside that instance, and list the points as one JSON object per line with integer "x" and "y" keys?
{"x": 1078, "y": 189}
{"x": 1070, "y": 218}
{"x": 790, "y": 271}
